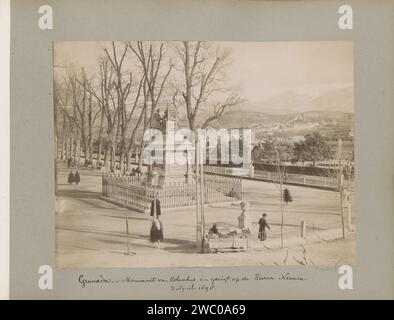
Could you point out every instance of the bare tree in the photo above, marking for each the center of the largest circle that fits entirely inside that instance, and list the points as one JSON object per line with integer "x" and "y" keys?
{"x": 340, "y": 172}
{"x": 109, "y": 110}
{"x": 132, "y": 140}
{"x": 88, "y": 114}
{"x": 80, "y": 112}
{"x": 155, "y": 74}
{"x": 145, "y": 123}
{"x": 66, "y": 99}
{"x": 111, "y": 114}
{"x": 204, "y": 78}
{"x": 61, "y": 122}
{"x": 123, "y": 88}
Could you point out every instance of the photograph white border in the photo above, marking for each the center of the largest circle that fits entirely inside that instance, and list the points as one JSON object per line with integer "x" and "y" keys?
{"x": 5, "y": 142}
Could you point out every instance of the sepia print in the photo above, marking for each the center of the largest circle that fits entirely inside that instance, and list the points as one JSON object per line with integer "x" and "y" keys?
{"x": 204, "y": 154}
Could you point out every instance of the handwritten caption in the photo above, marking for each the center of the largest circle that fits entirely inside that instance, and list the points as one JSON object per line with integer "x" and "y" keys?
{"x": 178, "y": 283}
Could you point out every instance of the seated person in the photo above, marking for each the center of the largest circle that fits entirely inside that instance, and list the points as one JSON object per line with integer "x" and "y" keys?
{"x": 213, "y": 230}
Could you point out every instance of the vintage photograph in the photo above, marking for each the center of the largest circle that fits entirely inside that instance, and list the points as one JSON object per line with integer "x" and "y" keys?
{"x": 204, "y": 154}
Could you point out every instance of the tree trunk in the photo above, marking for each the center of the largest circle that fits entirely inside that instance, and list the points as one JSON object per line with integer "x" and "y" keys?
{"x": 100, "y": 139}
{"x": 85, "y": 148}
{"x": 188, "y": 94}
{"x": 113, "y": 156}
{"x": 90, "y": 151}
{"x": 140, "y": 160}
{"x": 121, "y": 161}
{"x": 64, "y": 146}
{"x": 99, "y": 150}
{"x": 71, "y": 145}
{"x": 128, "y": 160}
{"x": 281, "y": 214}
{"x": 65, "y": 151}
{"x": 106, "y": 155}
{"x": 281, "y": 198}
{"x": 78, "y": 152}
{"x": 63, "y": 138}
{"x": 90, "y": 129}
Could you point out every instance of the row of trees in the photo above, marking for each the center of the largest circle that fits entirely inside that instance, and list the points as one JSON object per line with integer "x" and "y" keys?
{"x": 314, "y": 147}
{"x": 106, "y": 110}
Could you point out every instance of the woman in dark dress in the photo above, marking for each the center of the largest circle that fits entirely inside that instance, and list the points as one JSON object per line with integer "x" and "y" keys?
{"x": 287, "y": 196}
{"x": 70, "y": 179}
{"x": 263, "y": 226}
{"x": 156, "y": 232}
{"x": 214, "y": 229}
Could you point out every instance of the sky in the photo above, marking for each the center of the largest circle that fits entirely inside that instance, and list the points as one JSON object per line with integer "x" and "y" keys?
{"x": 261, "y": 69}
{"x": 267, "y": 68}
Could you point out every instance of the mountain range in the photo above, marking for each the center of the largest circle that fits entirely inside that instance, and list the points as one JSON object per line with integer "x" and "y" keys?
{"x": 289, "y": 101}
{"x": 293, "y": 114}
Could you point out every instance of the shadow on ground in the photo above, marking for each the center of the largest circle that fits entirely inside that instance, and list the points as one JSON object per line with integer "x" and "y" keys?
{"x": 73, "y": 193}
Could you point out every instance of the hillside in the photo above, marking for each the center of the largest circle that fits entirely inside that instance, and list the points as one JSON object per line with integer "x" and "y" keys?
{"x": 331, "y": 114}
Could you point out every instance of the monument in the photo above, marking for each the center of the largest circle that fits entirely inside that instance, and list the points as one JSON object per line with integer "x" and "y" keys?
{"x": 177, "y": 166}
{"x": 170, "y": 177}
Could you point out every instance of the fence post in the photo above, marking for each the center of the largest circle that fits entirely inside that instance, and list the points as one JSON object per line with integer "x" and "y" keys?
{"x": 349, "y": 216}
{"x": 241, "y": 188}
{"x": 303, "y": 229}
{"x": 127, "y": 190}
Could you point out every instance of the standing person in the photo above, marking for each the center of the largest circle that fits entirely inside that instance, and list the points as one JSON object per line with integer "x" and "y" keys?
{"x": 77, "y": 178}
{"x": 251, "y": 172}
{"x": 287, "y": 196}
{"x": 158, "y": 208}
{"x": 244, "y": 222}
{"x": 263, "y": 225}
{"x": 138, "y": 172}
{"x": 156, "y": 232}
{"x": 70, "y": 179}
{"x": 68, "y": 162}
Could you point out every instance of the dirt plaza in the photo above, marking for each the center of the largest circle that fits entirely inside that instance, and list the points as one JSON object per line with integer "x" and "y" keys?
{"x": 91, "y": 232}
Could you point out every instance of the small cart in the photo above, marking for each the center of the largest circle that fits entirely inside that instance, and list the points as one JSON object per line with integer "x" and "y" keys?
{"x": 233, "y": 243}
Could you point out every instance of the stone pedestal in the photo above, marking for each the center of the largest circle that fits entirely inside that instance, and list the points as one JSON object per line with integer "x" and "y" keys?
{"x": 172, "y": 170}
